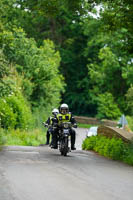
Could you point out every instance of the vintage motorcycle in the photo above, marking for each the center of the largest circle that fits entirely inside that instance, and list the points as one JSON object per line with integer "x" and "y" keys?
{"x": 64, "y": 138}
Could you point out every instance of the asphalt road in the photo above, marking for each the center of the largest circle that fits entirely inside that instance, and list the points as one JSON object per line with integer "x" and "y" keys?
{"x": 41, "y": 173}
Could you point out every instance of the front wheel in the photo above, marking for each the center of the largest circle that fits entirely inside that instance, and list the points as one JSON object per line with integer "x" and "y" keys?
{"x": 64, "y": 147}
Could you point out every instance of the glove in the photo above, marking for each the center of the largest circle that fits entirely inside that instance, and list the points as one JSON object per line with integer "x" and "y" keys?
{"x": 75, "y": 125}
{"x": 45, "y": 125}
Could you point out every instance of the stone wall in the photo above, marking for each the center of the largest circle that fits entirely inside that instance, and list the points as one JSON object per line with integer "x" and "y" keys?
{"x": 95, "y": 121}
{"x": 87, "y": 120}
{"x": 115, "y": 132}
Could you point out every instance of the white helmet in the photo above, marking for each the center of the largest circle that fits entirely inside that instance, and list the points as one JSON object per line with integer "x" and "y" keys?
{"x": 64, "y": 108}
{"x": 64, "y": 105}
{"x": 55, "y": 111}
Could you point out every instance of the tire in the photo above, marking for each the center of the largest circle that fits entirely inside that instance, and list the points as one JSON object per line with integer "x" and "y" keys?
{"x": 65, "y": 147}
{"x": 64, "y": 150}
{"x": 65, "y": 154}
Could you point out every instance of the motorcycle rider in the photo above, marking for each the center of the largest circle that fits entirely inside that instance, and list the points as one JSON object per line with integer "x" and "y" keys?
{"x": 49, "y": 123}
{"x": 66, "y": 116}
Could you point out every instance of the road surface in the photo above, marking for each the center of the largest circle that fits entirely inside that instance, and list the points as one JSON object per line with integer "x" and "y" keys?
{"x": 41, "y": 173}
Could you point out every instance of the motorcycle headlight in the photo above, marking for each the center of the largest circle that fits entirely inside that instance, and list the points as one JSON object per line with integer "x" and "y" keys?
{"x": 66, "y": 125}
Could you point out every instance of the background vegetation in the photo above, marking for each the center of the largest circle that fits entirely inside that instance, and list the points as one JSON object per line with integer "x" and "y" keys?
{"x": 79, "y": 52}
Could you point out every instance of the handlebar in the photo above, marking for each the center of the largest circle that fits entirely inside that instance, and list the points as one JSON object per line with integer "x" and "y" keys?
{"x": 45, "y": 125}
{"x": 63, "y": 124}
{"x": 68, "y": 125}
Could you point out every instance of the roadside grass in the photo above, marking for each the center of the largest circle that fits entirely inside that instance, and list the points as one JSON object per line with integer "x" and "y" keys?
{"x": 23, "y": 137}
{"x": 84, "y": 125}
{"x": 113, "y": 148}
{"x": 2, "y": 138}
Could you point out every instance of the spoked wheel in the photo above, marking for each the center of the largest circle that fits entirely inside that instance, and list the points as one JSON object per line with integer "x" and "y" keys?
{"x": 64, "y": 152}
{"x": 64, "y": 147}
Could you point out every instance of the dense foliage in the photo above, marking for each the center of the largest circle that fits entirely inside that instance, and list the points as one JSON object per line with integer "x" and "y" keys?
{"x": 107, "y": 107}
{"x": 112, "y": 148}
{"x": 78, "y": 52}
{"x": 29, "y": 76}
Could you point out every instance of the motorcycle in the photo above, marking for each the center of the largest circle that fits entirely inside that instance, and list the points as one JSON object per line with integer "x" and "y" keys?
{"x": 64, "y": 138}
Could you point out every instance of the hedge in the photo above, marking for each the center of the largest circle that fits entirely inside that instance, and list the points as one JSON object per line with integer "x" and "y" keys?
{"x": 113, "y": 148}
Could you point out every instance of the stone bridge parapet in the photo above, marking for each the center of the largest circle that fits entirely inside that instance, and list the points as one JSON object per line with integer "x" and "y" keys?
{"x": 115, "y": 132}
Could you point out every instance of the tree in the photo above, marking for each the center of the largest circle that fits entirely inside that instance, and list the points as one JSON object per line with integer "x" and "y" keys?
{"x": 5, "y": 88}
{"x": 107, "y": 108}
{"x": 91, "y": 53}
{"x": 38, "y": 66}
{"x": 109, "y": 63}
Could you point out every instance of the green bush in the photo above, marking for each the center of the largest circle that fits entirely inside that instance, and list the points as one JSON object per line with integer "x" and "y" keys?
{"x": 4, "y": 65}
{"x": 113, "y": 148}
{"x": 2, "y": 137}
{"x": 15, "y": 113}
{"x": 21, "y": 110}
{"x": 107, "y": 108}
{"x": 129, "y": 100}
{"x": 89, "y": 143}
{"x": 130, "y": 122}
{"x": 7, "y": 117}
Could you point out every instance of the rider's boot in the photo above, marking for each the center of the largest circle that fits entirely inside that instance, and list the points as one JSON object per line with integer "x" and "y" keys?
{"x": 73, "y": 147}
{"x": 73, "y": 138}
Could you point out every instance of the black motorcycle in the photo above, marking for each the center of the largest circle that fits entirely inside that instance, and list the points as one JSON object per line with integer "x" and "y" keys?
{"x": 64, "y": 138}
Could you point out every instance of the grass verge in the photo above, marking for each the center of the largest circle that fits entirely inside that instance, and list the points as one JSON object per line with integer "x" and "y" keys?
{"x": 84, "y": 125}
{"x": 22, "y": 137}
